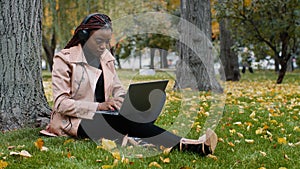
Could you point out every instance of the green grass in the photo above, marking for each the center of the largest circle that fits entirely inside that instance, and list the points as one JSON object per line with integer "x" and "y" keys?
{"x": 277, "y": 114}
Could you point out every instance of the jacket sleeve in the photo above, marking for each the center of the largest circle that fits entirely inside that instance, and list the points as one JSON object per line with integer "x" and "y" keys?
{"x": 61, "y": 86}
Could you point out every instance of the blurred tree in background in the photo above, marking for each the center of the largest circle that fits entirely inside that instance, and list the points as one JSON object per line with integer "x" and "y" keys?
{"x": 265, "y": 25}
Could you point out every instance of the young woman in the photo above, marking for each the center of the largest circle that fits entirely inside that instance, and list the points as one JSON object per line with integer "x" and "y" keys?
{"x": 84, "y": 80}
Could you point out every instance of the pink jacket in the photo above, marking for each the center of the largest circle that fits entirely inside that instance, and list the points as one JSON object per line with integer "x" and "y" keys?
{"x": 74, "y": 83}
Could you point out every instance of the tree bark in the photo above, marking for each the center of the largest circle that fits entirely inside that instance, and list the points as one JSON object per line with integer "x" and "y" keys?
{"x": 163, "y": 58}
{"x": 152, "y": 54}
{"x": 49, "y": 50}
{"x": 228, "y": 57}
{"x": 195, "y": 69}
{"x": 22, "y": 101}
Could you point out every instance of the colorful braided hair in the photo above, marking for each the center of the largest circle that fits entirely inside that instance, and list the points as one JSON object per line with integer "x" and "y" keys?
{"x": 93, "y": 21}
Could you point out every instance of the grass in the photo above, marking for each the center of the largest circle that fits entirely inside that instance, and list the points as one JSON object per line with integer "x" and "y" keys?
{"x": 259, "y": 128}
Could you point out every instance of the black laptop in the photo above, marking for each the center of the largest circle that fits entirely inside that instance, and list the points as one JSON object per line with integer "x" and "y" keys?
{"x": 143, "y": 102}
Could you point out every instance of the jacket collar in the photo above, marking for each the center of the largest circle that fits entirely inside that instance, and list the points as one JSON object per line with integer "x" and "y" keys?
{"x": 77, "y": 55}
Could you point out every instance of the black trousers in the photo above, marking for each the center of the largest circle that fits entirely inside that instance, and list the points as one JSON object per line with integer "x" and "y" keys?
{"x": 115, "y": 127}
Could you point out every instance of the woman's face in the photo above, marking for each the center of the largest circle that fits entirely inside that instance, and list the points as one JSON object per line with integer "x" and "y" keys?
{"x": 98, "y": 42}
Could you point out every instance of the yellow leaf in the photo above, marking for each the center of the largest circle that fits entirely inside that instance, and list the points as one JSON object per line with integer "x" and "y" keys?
{"x": 69, "y": 141}
{"x": 165, "y": 150}
{"x": 274, "y": 122}
{"x": 212, "y": 157}
{"x": 125, "y": 160}
{"x": 240, "y": 135}
{"x": 252, "y": 115}
{"x": 3, "y": 164}
{"x": 166, "y": 160}
{"x": 263, "y": 153}
{"x": 259, "y": 131}
{"x": 108, "y": 144}
{"x": 107, "y": 166}
{"x": 232, "y": 131}
{"x": 154, "y": 164}
{"x": 282, "y": 140}
{"x": 116, "y": 155}
{"x": 231, "y": 144}
{"x": 39, "y": 143}
{"x": 221, "y": 140}
{"x": 297, "y": 128}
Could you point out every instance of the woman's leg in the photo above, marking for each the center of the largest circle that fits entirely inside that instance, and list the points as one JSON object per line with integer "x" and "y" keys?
{"x": 116, "y": 127}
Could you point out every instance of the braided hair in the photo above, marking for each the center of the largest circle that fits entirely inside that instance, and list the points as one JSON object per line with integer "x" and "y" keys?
{"x": 91, "y": 22}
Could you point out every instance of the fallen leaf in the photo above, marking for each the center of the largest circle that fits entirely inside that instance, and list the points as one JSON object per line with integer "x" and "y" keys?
{"x": 116, "y": 155}
{"x": 44, "y": 148}
{"x": 263, "y": 153}
{"x": 165, "y": 160}
{"x": 212, "y": 157}
{"x": 3, "y": 164}
{"x": 125, "y": 160}
{"x": 69, "y": 141}
{"x": 221, "y": 140}
{"x": 23, "y": 153}
{"x": 231, "y": 144}
{"x": 11, "y": 147}
{"x": 165, "y": 150}
{"x": 238, "y": 123}
{"x": 107, "y": 166}
{"x": 232, "y": 131}
{"x": 108, "y": 144}
{"x": 98, "y": 161}
{"x": 282, "y": 140}
{"x": 259, "y": 131}
{"x": 39, "y": 143}
{"x": 69, "y": 155}
{"x": 252, "y": 115}
{"x": 240, "y": 135}
{"x": 249, "y": 141}
{"x": 154, "y": 164}
{"x": 286, "y": 157}
{"x": 14, "y": 153}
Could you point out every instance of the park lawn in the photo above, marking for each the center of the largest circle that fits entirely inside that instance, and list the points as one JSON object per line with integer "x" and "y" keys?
{"x": 258, "y": 128}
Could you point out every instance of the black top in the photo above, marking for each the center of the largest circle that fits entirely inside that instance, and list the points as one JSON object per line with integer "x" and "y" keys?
{"x": 99, "y": 92}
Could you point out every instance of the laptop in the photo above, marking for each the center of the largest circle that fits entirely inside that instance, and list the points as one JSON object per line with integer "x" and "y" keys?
{"x": 143, "y": 101}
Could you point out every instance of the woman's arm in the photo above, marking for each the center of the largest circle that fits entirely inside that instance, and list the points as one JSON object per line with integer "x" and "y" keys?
{"x": 63, "y": 101}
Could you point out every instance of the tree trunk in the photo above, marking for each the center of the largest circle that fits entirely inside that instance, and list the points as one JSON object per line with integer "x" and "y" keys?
{"x": 22, "y": 101}
{"x": 163, "y": 58}
{"x": 228, "y": 57}
{"x": 152, "y": 54}
{"x": 285, "y": 56}
{"x": 49, "y": 50}
{"x": 195, "y": 69}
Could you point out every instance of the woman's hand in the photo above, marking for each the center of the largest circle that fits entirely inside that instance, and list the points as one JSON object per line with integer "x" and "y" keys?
{"x": 111, "y": 104}
{"x": 117, "y": 102}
